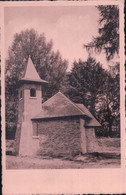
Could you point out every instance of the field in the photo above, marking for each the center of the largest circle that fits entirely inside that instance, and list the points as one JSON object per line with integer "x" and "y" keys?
{"x": 108, "y": 156}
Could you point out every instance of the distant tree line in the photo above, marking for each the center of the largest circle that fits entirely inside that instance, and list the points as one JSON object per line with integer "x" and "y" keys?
{"x": 88, "y": 82}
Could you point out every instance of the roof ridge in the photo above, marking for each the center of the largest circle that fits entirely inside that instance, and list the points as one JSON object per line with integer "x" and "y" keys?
{"x": 49, "y": 99}
{"x": 67, "y": 99}
{"x": 72, "y": 103}
{"x": 89, "y": 113}
{"x": 86, "y": 110}
{"x": 79, "y": 104}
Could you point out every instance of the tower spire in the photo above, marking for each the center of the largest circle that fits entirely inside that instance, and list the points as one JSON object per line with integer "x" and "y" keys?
{"x": 31, "y": 73}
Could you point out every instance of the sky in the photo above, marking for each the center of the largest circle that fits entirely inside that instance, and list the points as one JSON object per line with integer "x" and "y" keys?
{"x": 70, "y": 27}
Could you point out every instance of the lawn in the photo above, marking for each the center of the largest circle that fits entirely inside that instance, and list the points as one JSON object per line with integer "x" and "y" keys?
{"x": 108, "y": 156}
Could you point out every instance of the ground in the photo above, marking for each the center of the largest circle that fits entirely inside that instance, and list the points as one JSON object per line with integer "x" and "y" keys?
{"x": 107, "y": 157}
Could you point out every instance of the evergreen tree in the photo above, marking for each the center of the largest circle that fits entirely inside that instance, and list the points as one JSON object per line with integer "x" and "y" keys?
{"x": 98, "y": 90}
{"x": 86, "y": 82}
{"x": 108, "y": 38}
{"x": 108, "y": 42}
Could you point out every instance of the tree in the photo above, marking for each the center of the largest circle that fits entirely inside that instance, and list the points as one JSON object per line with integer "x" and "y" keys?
{"x": 86, "y": 82}
{"x": 98, "y": 89}
{"x": 108, "y": 110}
{"x": 108, "y": 41}
{"x": 49, "y": 64}
{"x": 108, "y": 38}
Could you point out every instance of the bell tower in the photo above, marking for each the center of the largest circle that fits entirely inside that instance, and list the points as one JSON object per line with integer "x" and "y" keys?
{"x": 30, "y": 104}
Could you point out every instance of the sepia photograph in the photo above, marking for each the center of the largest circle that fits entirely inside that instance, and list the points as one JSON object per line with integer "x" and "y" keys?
{"x": 62, "y": 87}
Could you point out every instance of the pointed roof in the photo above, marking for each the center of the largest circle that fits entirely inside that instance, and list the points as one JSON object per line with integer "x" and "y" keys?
{"x": 60, "y": 106}
{"x": 31, "y": 73}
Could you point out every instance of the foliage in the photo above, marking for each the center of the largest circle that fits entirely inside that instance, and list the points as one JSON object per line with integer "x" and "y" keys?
{"x": 48, "y": 63}
{"x": 86, "y": 82}
{"x": 108, "y": 38}
{"x": 108, "y": 41}
{"x": 98, "y": 90}
{"x": 109, "y": 108}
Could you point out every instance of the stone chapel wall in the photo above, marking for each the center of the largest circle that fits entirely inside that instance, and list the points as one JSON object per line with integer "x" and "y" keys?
{"x": 60, "y": 137}
{"x": 92, "y": 145}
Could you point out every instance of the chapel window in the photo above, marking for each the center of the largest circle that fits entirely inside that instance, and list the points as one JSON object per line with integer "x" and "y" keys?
{"x": 32, "y": 92}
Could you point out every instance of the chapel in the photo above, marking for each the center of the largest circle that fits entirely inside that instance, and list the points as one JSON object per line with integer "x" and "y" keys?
{"x": 58, "y": 127}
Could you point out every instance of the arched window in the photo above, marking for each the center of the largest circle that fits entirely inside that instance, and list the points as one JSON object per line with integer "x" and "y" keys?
{"x": 32, "y": 92}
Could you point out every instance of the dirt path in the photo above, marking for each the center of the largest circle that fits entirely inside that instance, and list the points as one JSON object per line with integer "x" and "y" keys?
{"x": 14, "y": 162}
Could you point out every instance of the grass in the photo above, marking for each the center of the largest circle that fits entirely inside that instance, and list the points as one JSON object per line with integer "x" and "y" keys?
{"x": 108, "y": 156}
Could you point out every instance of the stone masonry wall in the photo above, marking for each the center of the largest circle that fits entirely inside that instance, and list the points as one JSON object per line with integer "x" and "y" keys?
{"x": 61, "y": 137}
{"x": 92, "y": 144}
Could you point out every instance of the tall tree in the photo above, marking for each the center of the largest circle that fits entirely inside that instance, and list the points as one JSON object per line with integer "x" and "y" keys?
{"x": 108, "y": 42}
{"x": 48, "y": 63}
{"x": 86, "y": 82}
{"x": 98, "y": 89}
{"x": 109, "y": 108}
{"x": 108, "y": 38}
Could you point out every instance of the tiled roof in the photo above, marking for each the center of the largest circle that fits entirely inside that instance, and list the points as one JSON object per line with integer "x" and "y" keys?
{"x": 31, "y": 73}
{"x": 92, "y": 122}
{"x": 60, "y": 106}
